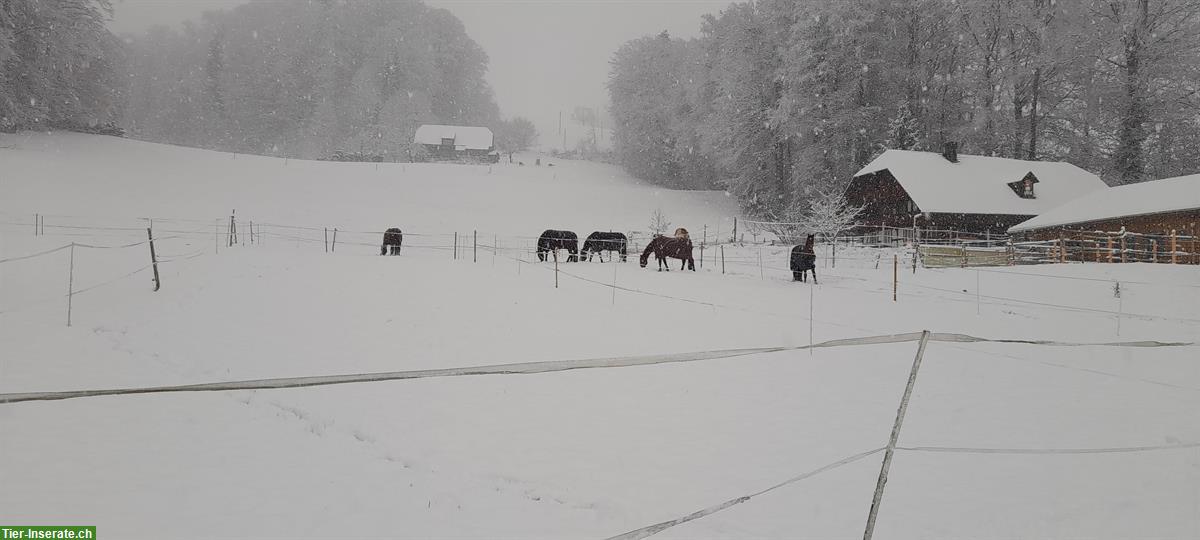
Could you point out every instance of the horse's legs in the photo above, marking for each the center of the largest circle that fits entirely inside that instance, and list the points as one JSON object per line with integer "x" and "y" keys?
{"x": 814, "y": 270}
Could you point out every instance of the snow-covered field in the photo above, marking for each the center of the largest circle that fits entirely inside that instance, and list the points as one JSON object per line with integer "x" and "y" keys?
{"x": 576, "y": 454}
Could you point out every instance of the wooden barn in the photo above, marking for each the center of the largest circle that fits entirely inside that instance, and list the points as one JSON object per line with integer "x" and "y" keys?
{"x": 457, "y": 143}
{"x": 1156, "y": 221}
{"x": 972, "y": 194}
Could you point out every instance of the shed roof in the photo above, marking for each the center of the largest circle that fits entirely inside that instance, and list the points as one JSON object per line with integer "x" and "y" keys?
{"x": 465, "y": 137}
{"x": 1154, "y": 197}
{"x": 979, "y": 184}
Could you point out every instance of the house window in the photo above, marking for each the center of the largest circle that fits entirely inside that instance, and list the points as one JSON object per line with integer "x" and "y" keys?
{"x": 1024, "y": 187}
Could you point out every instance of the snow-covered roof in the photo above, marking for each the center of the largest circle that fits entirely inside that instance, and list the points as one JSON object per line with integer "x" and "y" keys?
{"x": 1158, "y": 196}
{"x": 979, "y": 184}
{"x": 465, "y": 137}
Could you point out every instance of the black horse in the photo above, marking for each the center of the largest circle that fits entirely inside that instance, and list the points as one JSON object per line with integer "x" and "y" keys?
{"x": 804, "y": 259}
{"x": 392, "y": 238}
{"x": 552, "y": 241}
{"x": 663, "y": 247}
{"x": 599, "y": 242}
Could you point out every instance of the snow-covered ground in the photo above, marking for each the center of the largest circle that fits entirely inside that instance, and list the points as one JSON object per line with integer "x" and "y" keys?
{"x": 577, "y": 454}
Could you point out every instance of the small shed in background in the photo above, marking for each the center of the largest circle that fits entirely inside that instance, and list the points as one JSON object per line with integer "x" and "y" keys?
{"x": 457, "y": 143}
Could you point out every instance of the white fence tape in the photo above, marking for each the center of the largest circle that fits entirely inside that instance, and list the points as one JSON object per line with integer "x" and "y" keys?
{"x": 652, "y": 530}
{"x": 525, "y": 368}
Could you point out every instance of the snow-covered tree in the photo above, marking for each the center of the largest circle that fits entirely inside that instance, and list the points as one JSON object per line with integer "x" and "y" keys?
{"x": 515, "y": 135}
{"x": 659, "y": 224}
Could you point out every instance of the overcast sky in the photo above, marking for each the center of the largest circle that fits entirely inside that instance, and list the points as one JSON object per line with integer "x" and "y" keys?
{"x": 546, "y": 55}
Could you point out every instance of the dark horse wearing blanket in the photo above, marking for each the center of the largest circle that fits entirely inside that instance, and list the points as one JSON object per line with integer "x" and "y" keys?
{"x": 552, "y": 241}
{"x": 664, "y": 246}
{"x": 392, "y": 238}
{"x": 804, "y": 259}
{"x": 599, "y": 242}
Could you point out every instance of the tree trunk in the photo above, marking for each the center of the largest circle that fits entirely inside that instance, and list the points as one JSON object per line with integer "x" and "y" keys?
{"x": 1128, "y": 158}
{"x": 1033, "y": 113}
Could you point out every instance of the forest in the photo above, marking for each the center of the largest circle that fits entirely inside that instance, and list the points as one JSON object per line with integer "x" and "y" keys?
{"x": 774, "y": 101}
{"x": 777, "y": 100}
{"x": 295, "y": 79}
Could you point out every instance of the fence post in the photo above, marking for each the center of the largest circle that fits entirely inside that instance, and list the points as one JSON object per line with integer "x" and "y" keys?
{"x": 722, "y": 259}
{"x": 333, "y": 246}
{"x": 702, "y": 242}
{"x": 153, "y": 259}
{"x": 916, "y": 250}
{"x": 251, "y": 232}
{"x": 1123, "y": 259}
{"x": 217, "y": 236}
{"x": 810, "y": 313}
{"x": 326, "y": 239}
{"x": 1110, "y": 254}
{"x": 891, "y": 446}
{"x": 1062, "y": 247}
{"x": 760, "y": 265}
{"x": 475, "y": 247}
{"x": 895, "y": 274}
{"x": 37, "y": 219}
{"x": 456, "y": 245}
{"x": 556, "y": 269}
{"x": 232, "y": 227}
{"x": 614, "y": 292}
{"x": 70, "y": 283}
{"x": 495, "y": 247}
{"x": 1120, "y": 304}
{"x": 734, "y": 237}
{"x": 1154, "y": 250}
{"x": 1173, "y": 256}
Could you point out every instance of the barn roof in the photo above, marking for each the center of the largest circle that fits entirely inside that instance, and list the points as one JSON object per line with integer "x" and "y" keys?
{"x": 1154, "y": 197}
{"x": 979, "y": 184}
{"x": 465, "y": 137}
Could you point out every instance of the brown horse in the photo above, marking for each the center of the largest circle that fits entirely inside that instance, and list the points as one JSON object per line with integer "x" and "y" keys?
{"x": 663, "y": 247}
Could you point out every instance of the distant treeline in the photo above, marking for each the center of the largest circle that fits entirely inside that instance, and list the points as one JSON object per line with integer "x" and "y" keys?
{"x": 307, "y": 78}
{"x": 59, "y": 65}
{"x": 299, "y": 79}
{"x": 777, "y": 99}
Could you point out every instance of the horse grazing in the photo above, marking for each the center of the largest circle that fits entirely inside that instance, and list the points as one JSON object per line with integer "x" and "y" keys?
{"x": 552, "y": 241}
{"x": 663, "y": 247}
{"x": 392, "y": 238}
{"x": 598, "y": 242}
{"x": 804, "y": 259}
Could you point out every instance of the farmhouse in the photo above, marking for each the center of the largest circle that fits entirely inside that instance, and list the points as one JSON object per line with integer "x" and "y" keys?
{"x": 452, "y": 143}
{"x": 976, "y": 194}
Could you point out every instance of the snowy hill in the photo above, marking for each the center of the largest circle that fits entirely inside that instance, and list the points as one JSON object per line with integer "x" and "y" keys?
{"x": 65, "y": 173}
{"x": 1000, "y": 440}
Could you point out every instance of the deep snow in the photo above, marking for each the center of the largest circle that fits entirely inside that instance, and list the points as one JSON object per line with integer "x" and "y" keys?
{"x": 586, "y": 454}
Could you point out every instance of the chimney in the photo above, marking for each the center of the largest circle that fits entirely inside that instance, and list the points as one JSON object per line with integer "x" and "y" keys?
{"x": 950, "y": 151}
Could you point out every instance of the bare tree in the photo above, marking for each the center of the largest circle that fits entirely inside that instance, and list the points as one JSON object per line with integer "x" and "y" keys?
{"x": 826, "y": 214}
{"x": 659, "y": 224}
{"x": 829, "y": 215}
